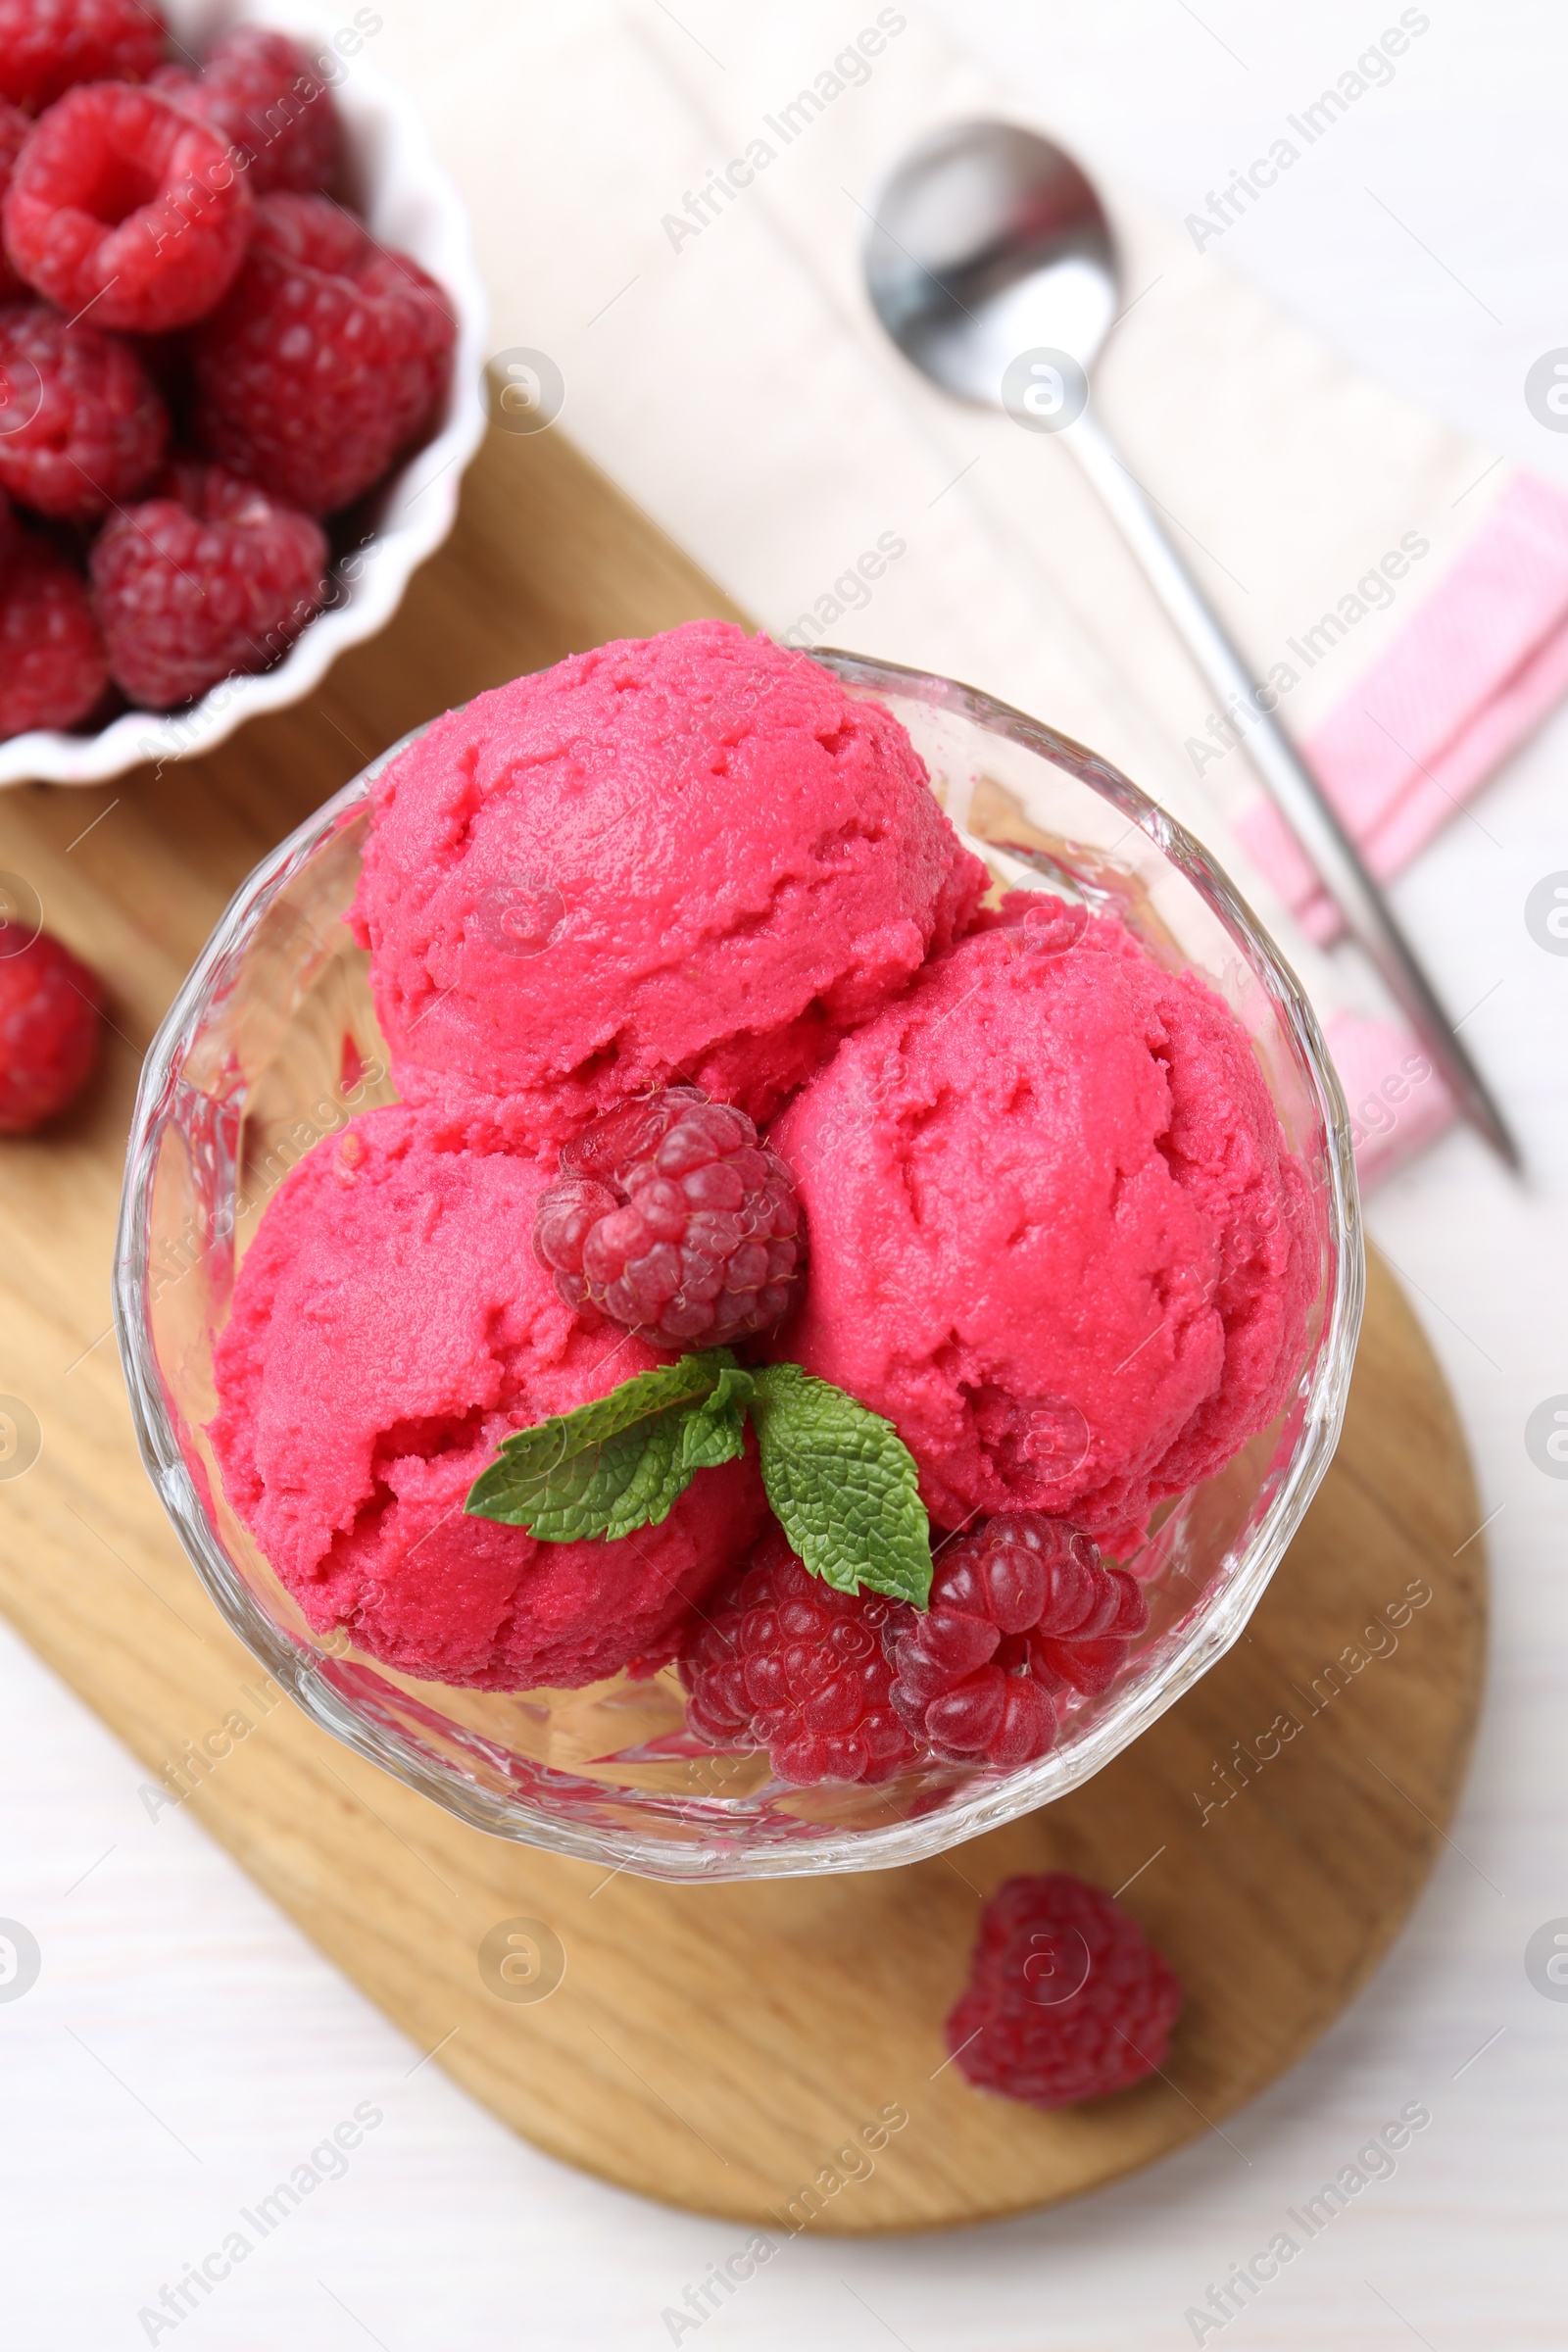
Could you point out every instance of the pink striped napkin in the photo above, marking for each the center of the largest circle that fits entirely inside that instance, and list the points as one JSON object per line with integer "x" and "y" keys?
{"x": 1479, "y": 665}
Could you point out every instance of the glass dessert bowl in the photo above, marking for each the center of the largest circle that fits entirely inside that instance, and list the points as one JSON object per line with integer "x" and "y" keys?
{"x": 274, "y": 1044}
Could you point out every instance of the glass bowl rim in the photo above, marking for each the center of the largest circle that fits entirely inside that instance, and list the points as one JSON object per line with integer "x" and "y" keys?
{"x": 1215, "y": 1626}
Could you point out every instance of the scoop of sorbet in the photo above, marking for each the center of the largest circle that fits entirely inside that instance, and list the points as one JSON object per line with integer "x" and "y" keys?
{"x": 390, "y": 1325}
{"x": 694, "y": 857}
{"x": 1057, "y": 1236}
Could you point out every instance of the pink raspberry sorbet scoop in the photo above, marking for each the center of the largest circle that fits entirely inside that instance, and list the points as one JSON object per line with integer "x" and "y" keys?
{"x": 694, "y": 856}
{"x": 390, "y": 1325}
{"x": 1057, "y": 1233}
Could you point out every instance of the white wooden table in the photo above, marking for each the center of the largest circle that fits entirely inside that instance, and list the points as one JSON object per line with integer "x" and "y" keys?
{"x": 183, "y": 2049}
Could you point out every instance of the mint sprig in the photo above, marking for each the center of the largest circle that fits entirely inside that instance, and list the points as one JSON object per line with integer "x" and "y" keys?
{"x": 842, "y": 1484}
{"x": 840, "y": 1479}
{"x": 616, "y": 1464}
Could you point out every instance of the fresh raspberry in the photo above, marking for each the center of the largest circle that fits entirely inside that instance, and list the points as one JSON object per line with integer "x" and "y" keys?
{"x": 672, "y": 1219}
{"x": 15, "y": 128}
{"x": 326, "y": 359}
{"x": 782, "y": 1661}
{"x": 48, "y": 45}
{"x": 52, "y": 668}
{"x": 49, "y": 1023}
{"x": 207, "y": 580}
{"x": 122, "y": 203}
{"x": 82, "y": 427}
{"x": 258, "y": 94}
{"x": 1067, "y": 2000}
{"x": 1016, "y": 1612}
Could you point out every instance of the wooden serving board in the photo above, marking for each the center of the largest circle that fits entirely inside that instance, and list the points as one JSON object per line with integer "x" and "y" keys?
{"x": 730, "y": 2047}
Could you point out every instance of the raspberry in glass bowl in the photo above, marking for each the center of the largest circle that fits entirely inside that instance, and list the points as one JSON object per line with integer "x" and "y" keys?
{"x": 671, "y": 1219}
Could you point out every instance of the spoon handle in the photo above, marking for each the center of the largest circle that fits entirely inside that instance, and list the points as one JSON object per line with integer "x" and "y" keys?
{"x": 1292, "y": 788}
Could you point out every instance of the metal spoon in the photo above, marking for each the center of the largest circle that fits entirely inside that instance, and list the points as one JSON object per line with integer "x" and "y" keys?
{"x": 990, "y": 263}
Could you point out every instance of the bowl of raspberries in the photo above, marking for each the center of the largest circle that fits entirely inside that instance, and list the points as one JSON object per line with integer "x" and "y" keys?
{"x": 239, "y": 332}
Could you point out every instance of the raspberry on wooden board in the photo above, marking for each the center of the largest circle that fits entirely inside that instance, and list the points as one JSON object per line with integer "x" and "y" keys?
{"x": 49, "y": 1028}
{"x": 1067, "y": 1999}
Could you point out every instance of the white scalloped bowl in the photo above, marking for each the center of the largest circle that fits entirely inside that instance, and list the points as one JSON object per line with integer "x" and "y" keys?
{"x": 409, "y": 203}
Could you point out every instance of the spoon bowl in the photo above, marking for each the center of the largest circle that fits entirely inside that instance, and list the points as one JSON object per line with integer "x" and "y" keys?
{"x": 989, "y": 241}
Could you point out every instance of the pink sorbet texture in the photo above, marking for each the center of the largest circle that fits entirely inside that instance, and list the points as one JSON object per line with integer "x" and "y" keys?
{"x": 390, "y": 1325}
{"x": 691, "y": 857}
{"x": 1057, "y": 1236}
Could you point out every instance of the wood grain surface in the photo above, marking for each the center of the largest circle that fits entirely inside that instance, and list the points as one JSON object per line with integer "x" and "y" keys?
{"x": 735, "y": 2049}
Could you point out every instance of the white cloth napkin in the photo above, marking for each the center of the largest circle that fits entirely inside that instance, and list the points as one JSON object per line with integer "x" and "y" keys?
{"x": 672, "y": 206}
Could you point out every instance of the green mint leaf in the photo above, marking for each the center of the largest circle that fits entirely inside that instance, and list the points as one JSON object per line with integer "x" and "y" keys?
{"x": 843, "y": 1486}
{"x": 714, "y": 1431}
{"x": 838, "y": 1477}
{"x": 614, "y": 1464}
{"x": 656, "y": 1477}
